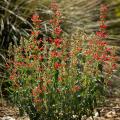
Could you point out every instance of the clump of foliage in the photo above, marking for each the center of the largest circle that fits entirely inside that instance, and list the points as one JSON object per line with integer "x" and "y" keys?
{"x": 56, "y": 78}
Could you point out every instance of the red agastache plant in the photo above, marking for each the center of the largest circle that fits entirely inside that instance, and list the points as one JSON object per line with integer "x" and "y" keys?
{"x": 60, "y": 78}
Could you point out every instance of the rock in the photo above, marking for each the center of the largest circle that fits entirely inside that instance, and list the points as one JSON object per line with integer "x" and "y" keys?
{"x": 111, "y": 114}
{"x": 23, "y": 118}
{"x": 74, "y": 116}
{"x": 84, "y": 117}
{"x": 8, "y": 118}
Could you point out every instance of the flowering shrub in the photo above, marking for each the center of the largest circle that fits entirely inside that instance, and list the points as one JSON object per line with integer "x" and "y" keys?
{"x": 56, "y": 78}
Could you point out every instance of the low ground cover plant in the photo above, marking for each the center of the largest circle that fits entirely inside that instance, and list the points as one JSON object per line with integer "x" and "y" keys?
{"x": 56, "y": 78}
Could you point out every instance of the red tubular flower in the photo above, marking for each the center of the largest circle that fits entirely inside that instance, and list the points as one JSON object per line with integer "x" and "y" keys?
{"x": 55, "y": 54}
{"x": 34, "y": 93}
{"x": 102, "y": 16}
{"x": 58, "y": 30}
{"x": 31, "y": 56}
{"x": 57, "y": 42}
{"x": 35, "y": 18}
{"x": 57, "y": 65}
{"x": 40, "y": 40}
{"x": 59, "y": 79}
{"x": 103, "y": 8}
{"x": 49, "y": 81}
{"x": 90, "y": 42}
{"x": 41, "y": 48}
{"x": 103, "y": 26}
{"x": 35, "y": 33}
{"x": 36, "y": 100}
{"x": 87, "y": 52}
{"x": 57, "y": 13}
{"x": 56, "y": 22}
{"x": 96, "y": 56}
{"x": 41, "y": 58}
{"x": 101, "y": 34}
{"x": 50, "y": 39}
{"x": 79, "y": 49}
{"x": 35, "y": 57}
{"x": 108, "y": 50}
{"x": 104, "y": 57}
{"x": 76, "y": 88}
{"x": 12, "y": 77}
{"x": 7, "y": 66}
{"x": 44, "y": 88}
{"x": 114, "y": 66}
{"x": 102, "y": 43}
{"x": 19, "y": 63}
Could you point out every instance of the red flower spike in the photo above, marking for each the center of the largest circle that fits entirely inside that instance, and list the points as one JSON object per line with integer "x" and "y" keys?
{"x": 54, "y": 6}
